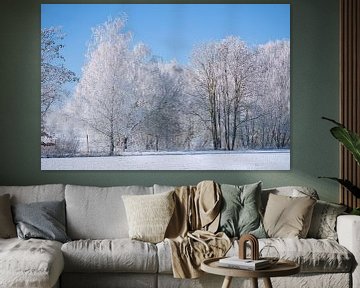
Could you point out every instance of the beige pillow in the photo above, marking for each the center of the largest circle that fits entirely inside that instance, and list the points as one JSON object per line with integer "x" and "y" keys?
{"x": 149, "y": 215}
{"x": 7, "y": 226}
{"x": 288, "y": 217}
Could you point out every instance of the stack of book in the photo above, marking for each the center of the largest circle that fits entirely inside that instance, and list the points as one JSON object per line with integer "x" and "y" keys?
{"x": 248, "y": 264}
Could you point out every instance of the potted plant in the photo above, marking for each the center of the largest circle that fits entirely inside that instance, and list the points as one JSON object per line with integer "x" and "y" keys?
{"x": 351, "y": 141}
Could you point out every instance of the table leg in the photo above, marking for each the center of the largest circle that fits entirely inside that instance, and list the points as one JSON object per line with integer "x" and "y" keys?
{"x": 227, "y": 282}
{"x": 254, "y": 282}
{"x": 267, "y": 283}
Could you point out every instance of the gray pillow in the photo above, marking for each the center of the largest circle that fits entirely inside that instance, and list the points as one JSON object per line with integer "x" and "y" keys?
{"x": 240, "y": 213}
{"x": 44, "y": 220}
{"x": 323, "y": 222}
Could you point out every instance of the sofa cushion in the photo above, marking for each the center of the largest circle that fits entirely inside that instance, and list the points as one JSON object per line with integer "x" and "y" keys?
{"x": 35, "y": 193}
{"x": 98, "y": 213}
{"x": 30, "y": 263}
{"x": 43, "y": 220}
{"x": 323, "y": 222}
{"x": 116, "y": 255}
{"x": 164, "y": 257}
{"x": 7, "y": 226}
{"x": 240, "y": 212}
{"x": 313, "y": 255}
{"x": 287, "y": 216}
{"x": 149, "y": 215}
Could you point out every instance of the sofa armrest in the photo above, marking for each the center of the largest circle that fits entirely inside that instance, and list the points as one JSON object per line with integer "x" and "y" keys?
{"x": 348, "y": 230}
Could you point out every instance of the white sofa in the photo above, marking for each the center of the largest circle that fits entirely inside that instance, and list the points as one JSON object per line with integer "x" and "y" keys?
{"x": 101, "y": 254}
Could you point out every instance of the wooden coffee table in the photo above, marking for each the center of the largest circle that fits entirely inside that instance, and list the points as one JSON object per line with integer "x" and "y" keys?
{"x": 281, "y": 268}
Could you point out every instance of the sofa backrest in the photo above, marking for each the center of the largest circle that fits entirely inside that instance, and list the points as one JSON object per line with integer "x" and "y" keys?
{"x": 35, "y": 193}
{"x": 98, "y": 212}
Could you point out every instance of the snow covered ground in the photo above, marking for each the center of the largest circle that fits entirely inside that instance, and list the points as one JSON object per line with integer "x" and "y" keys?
{"x": 248, "y": 160}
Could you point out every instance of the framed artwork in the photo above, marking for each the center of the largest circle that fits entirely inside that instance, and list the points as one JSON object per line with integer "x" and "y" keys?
{"x": 165, "y": 87}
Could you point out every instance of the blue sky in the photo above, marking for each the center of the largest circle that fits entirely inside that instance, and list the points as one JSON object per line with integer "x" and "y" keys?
{"x": 170, "y": 30}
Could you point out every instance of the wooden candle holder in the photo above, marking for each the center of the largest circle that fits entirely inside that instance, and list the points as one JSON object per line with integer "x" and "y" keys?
{"x": 254, "y": 246}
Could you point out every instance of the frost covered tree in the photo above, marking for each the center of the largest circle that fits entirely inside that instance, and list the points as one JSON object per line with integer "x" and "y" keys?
{"x": 237, "y": 74}
{"x": 110, "y": 98}
{"x": 222, "y": 73}
{"x": 164, "y": 123}
{"x": 241, "y": 94}
{"x": 54, "y": 74}
{"x": 205, "y": 97}
{"x": 273, "y": 88}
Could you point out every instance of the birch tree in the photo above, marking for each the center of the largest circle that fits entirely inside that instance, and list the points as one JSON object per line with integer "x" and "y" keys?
{"x": 107, "y": 98}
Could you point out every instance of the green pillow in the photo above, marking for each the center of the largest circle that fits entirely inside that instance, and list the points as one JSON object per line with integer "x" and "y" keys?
{"x": 240, "y": 213}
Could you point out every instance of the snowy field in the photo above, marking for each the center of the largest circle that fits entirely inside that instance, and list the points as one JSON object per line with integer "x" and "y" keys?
{"x": 249, "y": 160}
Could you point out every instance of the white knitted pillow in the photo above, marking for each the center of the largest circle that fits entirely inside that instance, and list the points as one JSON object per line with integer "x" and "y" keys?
{"x": 149, "y": 215}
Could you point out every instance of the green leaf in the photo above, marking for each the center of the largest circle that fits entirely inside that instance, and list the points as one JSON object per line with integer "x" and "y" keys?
{"x": 348, "y": 138}
{"x": 347, "y": 184}
{"x": 355, "y": 211}
{"x": 333, "y": 121}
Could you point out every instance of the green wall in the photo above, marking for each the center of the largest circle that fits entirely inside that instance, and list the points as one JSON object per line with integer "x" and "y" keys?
{"x": 314, "y": 93}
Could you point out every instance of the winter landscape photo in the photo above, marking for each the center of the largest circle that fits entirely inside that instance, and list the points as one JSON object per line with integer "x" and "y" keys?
{"x": 165, "y": 87}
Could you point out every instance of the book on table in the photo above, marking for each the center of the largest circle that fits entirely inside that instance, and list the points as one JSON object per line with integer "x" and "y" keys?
{"x": 249, "y": 264}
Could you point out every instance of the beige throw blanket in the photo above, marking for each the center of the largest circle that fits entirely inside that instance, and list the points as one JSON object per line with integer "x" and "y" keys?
{"x": 191, "y": 231}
